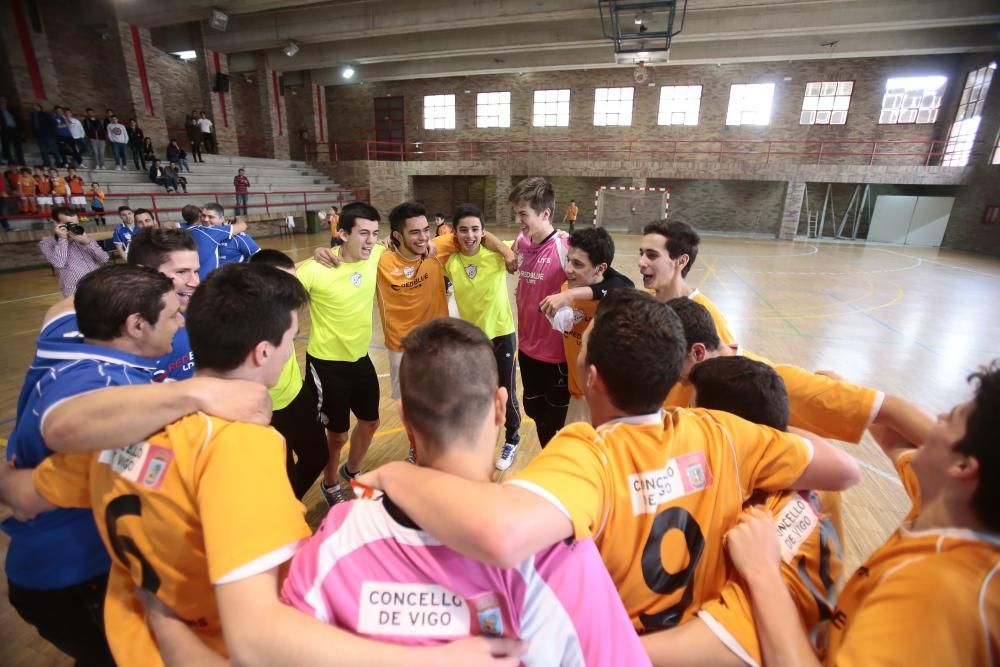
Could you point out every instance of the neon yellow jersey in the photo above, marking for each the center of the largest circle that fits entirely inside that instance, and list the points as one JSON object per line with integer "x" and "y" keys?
{"x": 481, "y": 291}
{"x": 289, "y": 384}
{"x": 340, "y": 305}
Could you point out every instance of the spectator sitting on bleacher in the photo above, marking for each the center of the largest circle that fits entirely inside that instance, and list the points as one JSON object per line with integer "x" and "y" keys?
{"x": 70, "y": 251}
{"x": 220, "y": 243}
{"x": 182, "y": 183}
{"x": 161, "y": 176}
{"x": 59, "y": 187}
{"x": 177, "y": 155}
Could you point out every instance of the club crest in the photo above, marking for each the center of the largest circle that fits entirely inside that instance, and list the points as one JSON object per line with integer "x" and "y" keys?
{"x": 577, "y": 315}
{"x": 471, "y": 270}
{"x": 356, "y": 279}
{"x": 409, "y": 271}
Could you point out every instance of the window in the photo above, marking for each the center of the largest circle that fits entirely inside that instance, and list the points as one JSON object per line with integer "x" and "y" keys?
{"x": 613, "y": 106}
{"x": 551, "y": 108}
{"x": 679, "y": 105}
{"x": 912, "y": 100}
{"x": 750, "y": 104}
{"x": 970, "y": 111}
{"x": 826, "y": 102}
{"x": 439, "y": 112}
{"x": 493, "y": 109}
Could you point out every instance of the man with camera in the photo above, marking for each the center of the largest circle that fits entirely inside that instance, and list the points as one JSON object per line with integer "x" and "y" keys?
{"x": 70, "y": 251}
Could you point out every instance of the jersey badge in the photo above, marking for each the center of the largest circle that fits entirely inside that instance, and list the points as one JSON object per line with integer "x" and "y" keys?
{"x": 356, "y": 279}
{"x": 409, "y": 271}
{"x": 471, "y": 270}
{"x": 489, "y": 615}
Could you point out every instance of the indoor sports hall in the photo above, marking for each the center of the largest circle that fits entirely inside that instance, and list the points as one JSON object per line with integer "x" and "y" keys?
{"x": 840, "y": 160}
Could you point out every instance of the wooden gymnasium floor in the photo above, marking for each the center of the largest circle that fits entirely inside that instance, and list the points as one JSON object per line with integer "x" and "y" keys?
{"x": 910, "y": 321}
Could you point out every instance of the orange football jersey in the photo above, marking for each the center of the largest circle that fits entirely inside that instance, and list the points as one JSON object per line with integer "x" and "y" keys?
{"x": 201, "y": 503}
{"x": 657, "y": 493}
{"x": 583, "y": 313}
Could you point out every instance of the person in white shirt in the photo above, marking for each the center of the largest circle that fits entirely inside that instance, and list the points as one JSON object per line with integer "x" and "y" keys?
{"x": 77, "y": 132}
{"x": 118, "y": 137}
{"x": 207, "y": 136}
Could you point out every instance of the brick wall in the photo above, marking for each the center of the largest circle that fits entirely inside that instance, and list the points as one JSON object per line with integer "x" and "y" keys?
{"x": 298, "y": 107}
{"x": 351, "y": 107}
{"x": 180, "y": 89}
{"x": 247, "y": 114}
{"x": 444, "y": 193}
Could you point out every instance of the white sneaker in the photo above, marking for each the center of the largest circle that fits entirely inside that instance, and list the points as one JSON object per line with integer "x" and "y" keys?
{"x": 506, "y": 458}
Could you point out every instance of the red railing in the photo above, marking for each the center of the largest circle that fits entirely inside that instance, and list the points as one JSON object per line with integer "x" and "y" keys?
{"x": 163, "y": 203}
{"x": 803, "y": 151}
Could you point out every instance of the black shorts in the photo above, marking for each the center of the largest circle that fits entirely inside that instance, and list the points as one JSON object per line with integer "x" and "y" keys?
{"x": 343, "y": 387}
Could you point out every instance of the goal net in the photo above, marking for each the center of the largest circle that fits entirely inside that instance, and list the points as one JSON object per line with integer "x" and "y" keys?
{"x": 628, "y": 209}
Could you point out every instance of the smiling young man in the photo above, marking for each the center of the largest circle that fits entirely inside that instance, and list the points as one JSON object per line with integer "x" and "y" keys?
{"x": 56, "y": 565}
{"x": 591, "y": 252}
{"x": 666, "y": 254}
{"x": 541, "y": 256}
{"x": 339, "y": 370}
{"x": 479, "y": 279}
{"x": 930, "y": 595}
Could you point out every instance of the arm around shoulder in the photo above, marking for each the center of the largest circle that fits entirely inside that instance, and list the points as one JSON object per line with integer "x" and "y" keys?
{"x": 830, "y": 469}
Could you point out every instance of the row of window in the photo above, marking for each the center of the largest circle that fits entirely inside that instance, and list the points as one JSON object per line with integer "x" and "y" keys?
{"x": 912, "y": 100}
{"x": 906, "y": 100}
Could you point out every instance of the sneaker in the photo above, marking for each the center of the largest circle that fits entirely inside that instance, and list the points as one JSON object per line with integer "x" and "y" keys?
{"x": 411, "y": 457}
{"x": 506, "y": 458}
{"x": 347, "y": 476}
{"x": 332, "y": 494}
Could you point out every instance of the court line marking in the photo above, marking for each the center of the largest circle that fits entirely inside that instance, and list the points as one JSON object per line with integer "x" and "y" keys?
{"x": 814, "y": 250}
{"x": 947, "y": 266}
{"x": 854, "y": 309}
{"x": 838, "y": 273}
{"x": 887, "y": 326}
{"x": 766, "y": 302}
{"x": 881, "y": 473}
{"x": 29, "y": 298}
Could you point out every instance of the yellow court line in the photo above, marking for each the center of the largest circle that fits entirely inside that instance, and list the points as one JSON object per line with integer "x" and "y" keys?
{"x": 709, "y": 272}
{"x": 798, "y": 312}
{"x": 820, "y": 316}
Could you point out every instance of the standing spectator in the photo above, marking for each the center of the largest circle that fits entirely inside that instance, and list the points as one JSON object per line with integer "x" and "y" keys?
{"x": 96, "y": 197}
{"x": 177, "y": 155}
{"x": 78, "y": 134}
{"x": 70, "y": 251}
{"x": 195, "y": 137}
{"x": 108, "y": 115}
{"x": 64, "y": 138}
{"x": 96, "y": 131}
{"x": 43, "y": 126}
{"x": 182, "y": 183}
{"x": 118, "y": 137}
{"x": 76, "y": 197}
{"x": 148, "y": 154}
{"x": 571, "y": 212}
{"x": 242, "y": 185}
{"x": 10, "y": 133}
{"x": 207, "y": 137}
{"x": 161, "y": 176}
{"x": 12, "y": 181}
{"x": 136, "y": 139}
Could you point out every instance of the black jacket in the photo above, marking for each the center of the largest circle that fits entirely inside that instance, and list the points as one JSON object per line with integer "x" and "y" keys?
{"x": 135, "y": 136}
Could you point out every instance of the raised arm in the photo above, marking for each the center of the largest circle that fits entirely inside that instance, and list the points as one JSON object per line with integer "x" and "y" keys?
{"x": 120, "y": 416}
{"x": 900, "y": 426}
{"x": 260, "y": 630}
{"x": 753, "y": 548}
{"x": 491, "y": 242}
{"x": 503, "y": 526}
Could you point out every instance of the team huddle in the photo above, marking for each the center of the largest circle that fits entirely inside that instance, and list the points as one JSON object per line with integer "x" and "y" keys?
{"x": 684, "y": 509}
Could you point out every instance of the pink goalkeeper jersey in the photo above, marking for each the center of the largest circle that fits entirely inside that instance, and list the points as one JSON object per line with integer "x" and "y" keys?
{"x": 540, "y": 273}
{"x": 369, "y": 570}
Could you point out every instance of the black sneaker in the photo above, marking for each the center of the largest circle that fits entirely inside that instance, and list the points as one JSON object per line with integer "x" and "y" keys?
{"x": 347, "y": 476}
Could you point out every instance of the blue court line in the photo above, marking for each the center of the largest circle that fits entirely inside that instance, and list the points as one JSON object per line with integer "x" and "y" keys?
{"x": 884, "y": 324}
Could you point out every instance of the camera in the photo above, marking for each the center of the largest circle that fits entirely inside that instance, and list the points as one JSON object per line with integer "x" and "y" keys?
{"x": 75, "y": 229}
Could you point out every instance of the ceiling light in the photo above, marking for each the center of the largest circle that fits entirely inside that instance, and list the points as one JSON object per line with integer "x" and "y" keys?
{"x": 291, "y": 48}
{"x": 638, "y": 19}
{"x": 347, "y": 72}
{"x": 186, "y": 55}
{"x": 218, "y": 20}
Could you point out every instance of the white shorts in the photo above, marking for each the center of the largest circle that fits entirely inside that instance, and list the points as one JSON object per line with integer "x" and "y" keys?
{"x": 78, "y": 200}
{"x": 44, "y": 201}
{"x": 578, "y": 410}
{"x": 59, "y": 200}
{"x": 394, "y": 360}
